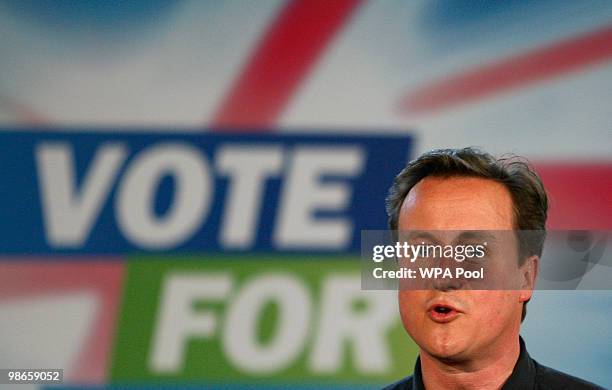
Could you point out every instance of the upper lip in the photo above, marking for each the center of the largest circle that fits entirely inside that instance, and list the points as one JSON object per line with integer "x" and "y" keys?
{"x": 444, "y": 303}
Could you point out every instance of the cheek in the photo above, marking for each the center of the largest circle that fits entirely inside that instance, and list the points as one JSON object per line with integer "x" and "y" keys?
{"x": 410, "y": 303}
{"x": 495, "y": 307}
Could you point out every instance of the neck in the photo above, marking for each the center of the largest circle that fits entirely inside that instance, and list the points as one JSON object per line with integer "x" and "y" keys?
{"x": 486, "y": 372}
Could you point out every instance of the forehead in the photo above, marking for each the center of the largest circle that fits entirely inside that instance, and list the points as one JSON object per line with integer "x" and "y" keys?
{"x": 457, "y": 203}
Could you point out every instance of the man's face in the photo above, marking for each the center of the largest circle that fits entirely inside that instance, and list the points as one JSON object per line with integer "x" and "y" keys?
{"x": 479, "y": 320}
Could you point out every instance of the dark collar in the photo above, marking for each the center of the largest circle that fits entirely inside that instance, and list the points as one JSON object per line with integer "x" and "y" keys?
{"x": 523, "y": 376}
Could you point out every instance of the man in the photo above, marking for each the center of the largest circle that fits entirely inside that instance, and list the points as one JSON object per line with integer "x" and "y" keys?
{"x": 469, "y": 338}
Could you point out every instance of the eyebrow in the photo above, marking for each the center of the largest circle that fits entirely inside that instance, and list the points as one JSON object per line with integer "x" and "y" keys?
{"x": 478, "y": 235}
{"x": 417, "y": 234}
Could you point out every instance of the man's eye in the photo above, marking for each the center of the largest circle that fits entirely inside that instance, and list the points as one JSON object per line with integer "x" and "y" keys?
{"x": 472, "y": 264}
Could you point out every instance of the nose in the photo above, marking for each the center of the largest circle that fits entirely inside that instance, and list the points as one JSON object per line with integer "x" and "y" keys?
{"x": 449, "y": 281}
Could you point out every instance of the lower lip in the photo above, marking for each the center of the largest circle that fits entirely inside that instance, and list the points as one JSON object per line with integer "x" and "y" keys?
{"x": 443, "y": 317}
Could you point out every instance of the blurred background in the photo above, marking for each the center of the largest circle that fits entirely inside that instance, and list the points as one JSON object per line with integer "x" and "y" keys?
{"x": 184, "y": 183}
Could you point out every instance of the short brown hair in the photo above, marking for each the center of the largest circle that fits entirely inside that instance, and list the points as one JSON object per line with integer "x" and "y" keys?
{"x": 529, "y": 198}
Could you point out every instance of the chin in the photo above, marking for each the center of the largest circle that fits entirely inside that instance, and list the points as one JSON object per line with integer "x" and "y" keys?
{"x": 445, "y": 346}
{"x": 446, "y": 350}
{"x": 450, "y": 341}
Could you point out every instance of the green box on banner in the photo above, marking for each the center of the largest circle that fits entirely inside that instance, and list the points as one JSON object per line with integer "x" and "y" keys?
{"x": 256, "y": 318}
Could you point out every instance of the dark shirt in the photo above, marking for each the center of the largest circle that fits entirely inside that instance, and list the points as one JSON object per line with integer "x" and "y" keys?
{"x": 527, "y": 374}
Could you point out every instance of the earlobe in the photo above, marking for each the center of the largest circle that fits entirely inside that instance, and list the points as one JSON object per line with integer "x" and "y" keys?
{"x": 529, "y": 273}
{"x": 525, "y": 296}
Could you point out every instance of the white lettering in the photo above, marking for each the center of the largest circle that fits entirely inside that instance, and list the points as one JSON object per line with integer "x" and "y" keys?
{"x": 366, "y": 329}
{"x": 303, "y": 194}
{"x": 240, "y": 337}
{"x": 69, "y": 214}
{"x": 136, "y": 196}
{"x": 248, "y": 167}
{"x": 178, "y": 321}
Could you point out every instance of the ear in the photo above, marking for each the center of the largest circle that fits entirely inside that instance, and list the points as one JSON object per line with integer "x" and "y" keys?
{"x": 528, "y": 274}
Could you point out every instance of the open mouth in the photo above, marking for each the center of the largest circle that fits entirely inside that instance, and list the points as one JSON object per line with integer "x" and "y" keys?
{"x": 442, "y": 313}
{"x": 442, "y": 309}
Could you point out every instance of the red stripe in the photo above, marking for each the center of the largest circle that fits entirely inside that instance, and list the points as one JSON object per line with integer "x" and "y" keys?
{"x": 281, "y": 61}
{"x": 44, "y": 277}
{"x": 514, "y": 72}
{"x": 580, "y": 195}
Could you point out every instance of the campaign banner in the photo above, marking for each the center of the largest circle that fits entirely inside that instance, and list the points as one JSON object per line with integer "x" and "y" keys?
{"x": 105, "y": 192}
{"x": 98, "y": 224}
